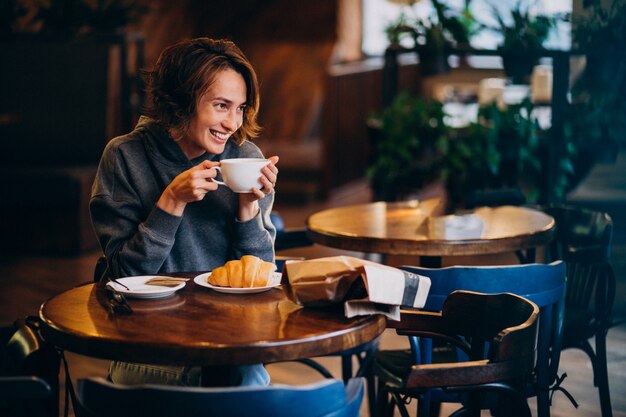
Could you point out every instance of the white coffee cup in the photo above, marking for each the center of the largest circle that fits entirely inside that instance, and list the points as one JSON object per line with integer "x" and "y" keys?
{"x": 241, "y": 174}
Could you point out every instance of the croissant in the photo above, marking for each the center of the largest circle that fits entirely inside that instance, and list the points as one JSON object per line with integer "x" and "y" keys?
{"x": 247, "y": 272}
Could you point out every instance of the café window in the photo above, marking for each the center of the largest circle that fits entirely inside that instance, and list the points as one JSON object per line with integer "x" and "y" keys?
{"x": 378, "y": 14}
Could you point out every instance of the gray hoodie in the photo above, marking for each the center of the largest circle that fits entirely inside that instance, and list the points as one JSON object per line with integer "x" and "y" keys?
{"x": 138, "y": 238}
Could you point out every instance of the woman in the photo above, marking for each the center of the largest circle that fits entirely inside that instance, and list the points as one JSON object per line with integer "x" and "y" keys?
{"x": 154, "y": 205}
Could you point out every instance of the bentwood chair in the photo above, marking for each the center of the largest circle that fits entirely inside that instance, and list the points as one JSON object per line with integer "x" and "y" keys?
{"x": 325, "y": 398}
{"x": 29, "y": 372}
{"x": 583, "y": 240}
{"x": 542, "y": 284}
{"x": 504, "y": 325}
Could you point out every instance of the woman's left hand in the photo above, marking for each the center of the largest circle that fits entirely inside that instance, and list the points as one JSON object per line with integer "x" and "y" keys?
{"x": 248, "y": 202}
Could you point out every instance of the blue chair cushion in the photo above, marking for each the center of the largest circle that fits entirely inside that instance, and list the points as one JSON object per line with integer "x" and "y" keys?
{"x": 328, "y": 397}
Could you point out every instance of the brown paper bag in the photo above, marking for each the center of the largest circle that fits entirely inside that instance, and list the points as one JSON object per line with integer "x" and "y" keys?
{"x": 363, "y": 286}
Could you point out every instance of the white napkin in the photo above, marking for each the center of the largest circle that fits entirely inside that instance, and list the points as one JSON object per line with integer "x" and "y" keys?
{"x": 456, "y": 227}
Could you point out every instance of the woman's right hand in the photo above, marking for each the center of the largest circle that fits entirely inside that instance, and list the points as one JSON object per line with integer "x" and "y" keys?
{"x": 189, "y": 186}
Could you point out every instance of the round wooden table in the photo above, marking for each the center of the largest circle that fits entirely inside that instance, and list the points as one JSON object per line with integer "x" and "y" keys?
{"x": 405, "y": 228}
{"x": 198, "y": 326}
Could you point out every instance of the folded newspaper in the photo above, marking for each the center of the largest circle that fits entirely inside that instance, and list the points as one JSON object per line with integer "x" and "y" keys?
{"x": 364, "y": 287}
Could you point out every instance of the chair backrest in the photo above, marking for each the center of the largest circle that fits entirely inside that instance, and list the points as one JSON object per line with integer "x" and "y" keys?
{"x": 504, "y": 322}
{"x": 580, "y": 234}
{"x": 25, "y": 396}
{"x": 543, "y": 284}
{"x": 583, "y": 240}
{"x": 288, "y": 238}
{"x": 29, "y": 369}
{"x": 328, "y": 397}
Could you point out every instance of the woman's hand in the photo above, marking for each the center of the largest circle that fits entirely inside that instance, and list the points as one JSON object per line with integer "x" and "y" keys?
{"x": 191, "y": 185}
{"x": 248, "y": 202}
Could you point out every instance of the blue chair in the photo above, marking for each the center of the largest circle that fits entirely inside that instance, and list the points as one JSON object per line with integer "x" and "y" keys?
{"x": 326, "y": 398}
{"x": 542, "y": 284}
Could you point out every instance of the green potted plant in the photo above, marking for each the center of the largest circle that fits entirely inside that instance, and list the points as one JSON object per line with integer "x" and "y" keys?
{"x": 523, "y": 37}
{"x": 406, "y": 154}
{"x": 505, "y": 149}
{"x": 433, "y": 36}
{"x": 519, "y": 160}
{"x": 596, "y": 119}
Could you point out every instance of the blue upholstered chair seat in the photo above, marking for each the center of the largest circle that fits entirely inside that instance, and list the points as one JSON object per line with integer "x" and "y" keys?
{"x": 326, "y": 398}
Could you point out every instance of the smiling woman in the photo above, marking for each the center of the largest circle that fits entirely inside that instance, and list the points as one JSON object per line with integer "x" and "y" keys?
{"x": 155, "y": 206}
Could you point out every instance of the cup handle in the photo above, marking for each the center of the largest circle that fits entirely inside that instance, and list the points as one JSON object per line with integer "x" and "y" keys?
{"x": 216, "y": 181}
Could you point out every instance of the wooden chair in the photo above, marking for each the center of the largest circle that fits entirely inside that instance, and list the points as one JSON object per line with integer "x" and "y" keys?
{"x": 583, "y": 240}
{"x": 29, "y": 384}
{"x": 325, "y": 398}
{"x": 542, "y": 284}
{"x": 504, "y": 325}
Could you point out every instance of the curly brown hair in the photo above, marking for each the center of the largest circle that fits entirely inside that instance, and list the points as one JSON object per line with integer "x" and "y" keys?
{"x": 183, "y": 74}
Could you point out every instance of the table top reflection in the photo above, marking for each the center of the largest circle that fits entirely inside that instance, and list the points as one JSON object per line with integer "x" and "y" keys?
{"x": 405, "y": 228}
{"x": 198, "y": 326}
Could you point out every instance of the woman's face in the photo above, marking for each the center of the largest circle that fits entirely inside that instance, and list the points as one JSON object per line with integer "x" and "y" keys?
{"x": 219, "y": 113}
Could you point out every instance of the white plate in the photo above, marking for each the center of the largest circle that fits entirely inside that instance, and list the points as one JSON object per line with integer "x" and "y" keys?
{"x": 138, "y": 288}
{"x": 274, "y": 282}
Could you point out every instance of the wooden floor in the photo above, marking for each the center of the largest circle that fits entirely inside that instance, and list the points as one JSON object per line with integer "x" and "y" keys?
{"x": 25, "y": 282}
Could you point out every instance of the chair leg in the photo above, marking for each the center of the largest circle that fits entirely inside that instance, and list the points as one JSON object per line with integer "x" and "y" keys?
{"x": 346, "y": 367}
{"x": 397, "y": 400}
{"x": 366, "y": 370}
{"x": 543, "y": 403}
{"x": 384, "y": 406}
{"x": 601, "y": 375}
{"x": 425, "y": 407}
{"x": 371, "y": 392}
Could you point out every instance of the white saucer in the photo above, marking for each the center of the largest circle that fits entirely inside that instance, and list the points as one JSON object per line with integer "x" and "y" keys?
{"x": 138, "y": 288}
{"x": 274, "y": 282}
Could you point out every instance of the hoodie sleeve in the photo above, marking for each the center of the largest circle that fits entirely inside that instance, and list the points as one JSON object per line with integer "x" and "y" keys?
{"x": 134, "y": 241}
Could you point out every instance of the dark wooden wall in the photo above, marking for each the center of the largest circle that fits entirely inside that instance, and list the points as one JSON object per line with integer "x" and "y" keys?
{"x": 290, "y": 44}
